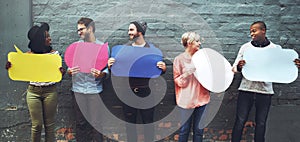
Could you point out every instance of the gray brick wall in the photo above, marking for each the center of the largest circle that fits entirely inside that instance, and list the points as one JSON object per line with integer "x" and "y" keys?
{"x": 224, "y": 25}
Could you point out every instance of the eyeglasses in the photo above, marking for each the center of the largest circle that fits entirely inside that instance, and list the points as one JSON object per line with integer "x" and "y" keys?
{"x": 81, "y": 29}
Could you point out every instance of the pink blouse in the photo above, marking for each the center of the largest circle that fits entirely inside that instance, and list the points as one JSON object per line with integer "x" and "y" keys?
{"x": 189, "y": 92}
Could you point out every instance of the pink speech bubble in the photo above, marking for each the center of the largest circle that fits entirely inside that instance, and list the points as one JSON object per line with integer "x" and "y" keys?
{"x": 86, "y": 55}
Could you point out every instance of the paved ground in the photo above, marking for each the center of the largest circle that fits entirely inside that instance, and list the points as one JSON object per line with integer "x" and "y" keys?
{"x": 283, "y": 124}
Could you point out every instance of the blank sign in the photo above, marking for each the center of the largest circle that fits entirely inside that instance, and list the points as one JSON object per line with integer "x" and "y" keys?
{"x": 270, "y": 65}
{"x": 34, "y": 67}
{"x": 86, "y": 55}
{"x": 213, "y": 71}
{"x": 136, "y": 61}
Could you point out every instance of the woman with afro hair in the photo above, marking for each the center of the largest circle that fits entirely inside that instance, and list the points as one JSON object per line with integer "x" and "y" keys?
{"x": 41, "y": 96}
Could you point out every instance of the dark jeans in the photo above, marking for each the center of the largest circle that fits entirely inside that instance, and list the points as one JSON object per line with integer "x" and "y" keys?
{"x": 87, "y": 115}
{"x": 244, "y": 105}
{"x": 131, "y": 114}
{"x": 195, "y": 117}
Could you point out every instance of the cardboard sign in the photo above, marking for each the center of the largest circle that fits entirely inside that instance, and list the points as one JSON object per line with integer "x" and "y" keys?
{"x": 86, "y": 55}
{"x": 34, "y": 67}
{"x": 270, "y": 65}
{"x": 213, "y": 71}
{"x": 136, "y": 61}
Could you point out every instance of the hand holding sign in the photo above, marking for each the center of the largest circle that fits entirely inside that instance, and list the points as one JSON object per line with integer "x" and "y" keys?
{"x": 136, "y": 61}
{"x": 86, "y": 55}
{"x": 270, "y": 65}
{"x": 213, "y": 71}
{"x": 34, "y": 67}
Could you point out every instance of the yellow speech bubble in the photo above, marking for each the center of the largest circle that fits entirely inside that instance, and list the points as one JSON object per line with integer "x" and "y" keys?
{"x": 34, "y": 67}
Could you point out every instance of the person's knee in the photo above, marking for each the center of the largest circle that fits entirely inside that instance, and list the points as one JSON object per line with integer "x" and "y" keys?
{"x": 184, "y": 130}
{"x": 130, "y": 117}
{"x": 82, "y": 125}
{"x": 241, "y": 119}
{"x": 198, "y": 132}
{"x": 50, "y": 126}
{"x": 260, "y": 124}
{"x": 37, "y": 127}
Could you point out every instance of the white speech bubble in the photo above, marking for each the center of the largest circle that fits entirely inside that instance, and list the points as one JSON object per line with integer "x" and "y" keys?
{"x": 213, "y": 71}
{"x": 270, "y": 65}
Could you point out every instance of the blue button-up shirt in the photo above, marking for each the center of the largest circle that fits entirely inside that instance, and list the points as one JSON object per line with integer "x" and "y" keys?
{"x": 86, "y": 83}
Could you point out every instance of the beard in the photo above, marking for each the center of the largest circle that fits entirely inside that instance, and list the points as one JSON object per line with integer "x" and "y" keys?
{"x": 85, "y": 36}
{"x": 134, "y": 38}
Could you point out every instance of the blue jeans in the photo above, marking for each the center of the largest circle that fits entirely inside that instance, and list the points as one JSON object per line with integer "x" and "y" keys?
{"x": 244, "y": 104}
{"x": 195, "y": 116}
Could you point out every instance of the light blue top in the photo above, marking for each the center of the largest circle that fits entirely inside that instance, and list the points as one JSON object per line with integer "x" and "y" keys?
{"x": 86, "y": 83}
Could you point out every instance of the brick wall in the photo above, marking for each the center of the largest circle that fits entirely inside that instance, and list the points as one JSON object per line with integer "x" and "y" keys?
{"x": 224, "y": 25}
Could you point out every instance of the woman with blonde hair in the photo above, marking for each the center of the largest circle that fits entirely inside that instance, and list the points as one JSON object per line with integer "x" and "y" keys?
{"x": 191, "y": 96}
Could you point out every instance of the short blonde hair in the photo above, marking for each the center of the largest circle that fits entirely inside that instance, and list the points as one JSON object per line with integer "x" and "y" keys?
{"x": 189, "y": 37}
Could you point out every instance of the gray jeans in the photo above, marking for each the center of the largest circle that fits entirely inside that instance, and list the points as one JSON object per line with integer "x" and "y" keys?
{"x": 88, "y": 117}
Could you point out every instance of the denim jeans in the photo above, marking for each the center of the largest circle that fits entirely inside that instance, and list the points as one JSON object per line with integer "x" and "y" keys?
{"x": 42, "y": 104}
{"x": 195, "y": 117}
{"x": 131, "y": 114}
{"x": 244, "y": 104}
{"x": 88, "y": 118}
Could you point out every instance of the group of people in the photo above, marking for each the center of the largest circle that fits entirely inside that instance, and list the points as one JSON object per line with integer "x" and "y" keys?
{"x": 191, "y": 96}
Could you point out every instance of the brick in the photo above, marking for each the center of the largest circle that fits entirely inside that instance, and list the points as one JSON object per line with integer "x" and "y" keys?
{"x": 176, "y": 137}
{"x": 228, "y": 131}
{"x": 223, "y": 137}
{"x": 221, "y": 131}
{"x": 249, "y": 124}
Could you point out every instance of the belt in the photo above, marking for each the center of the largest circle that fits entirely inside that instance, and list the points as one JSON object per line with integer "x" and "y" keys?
{"x": 137, "y": 89}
